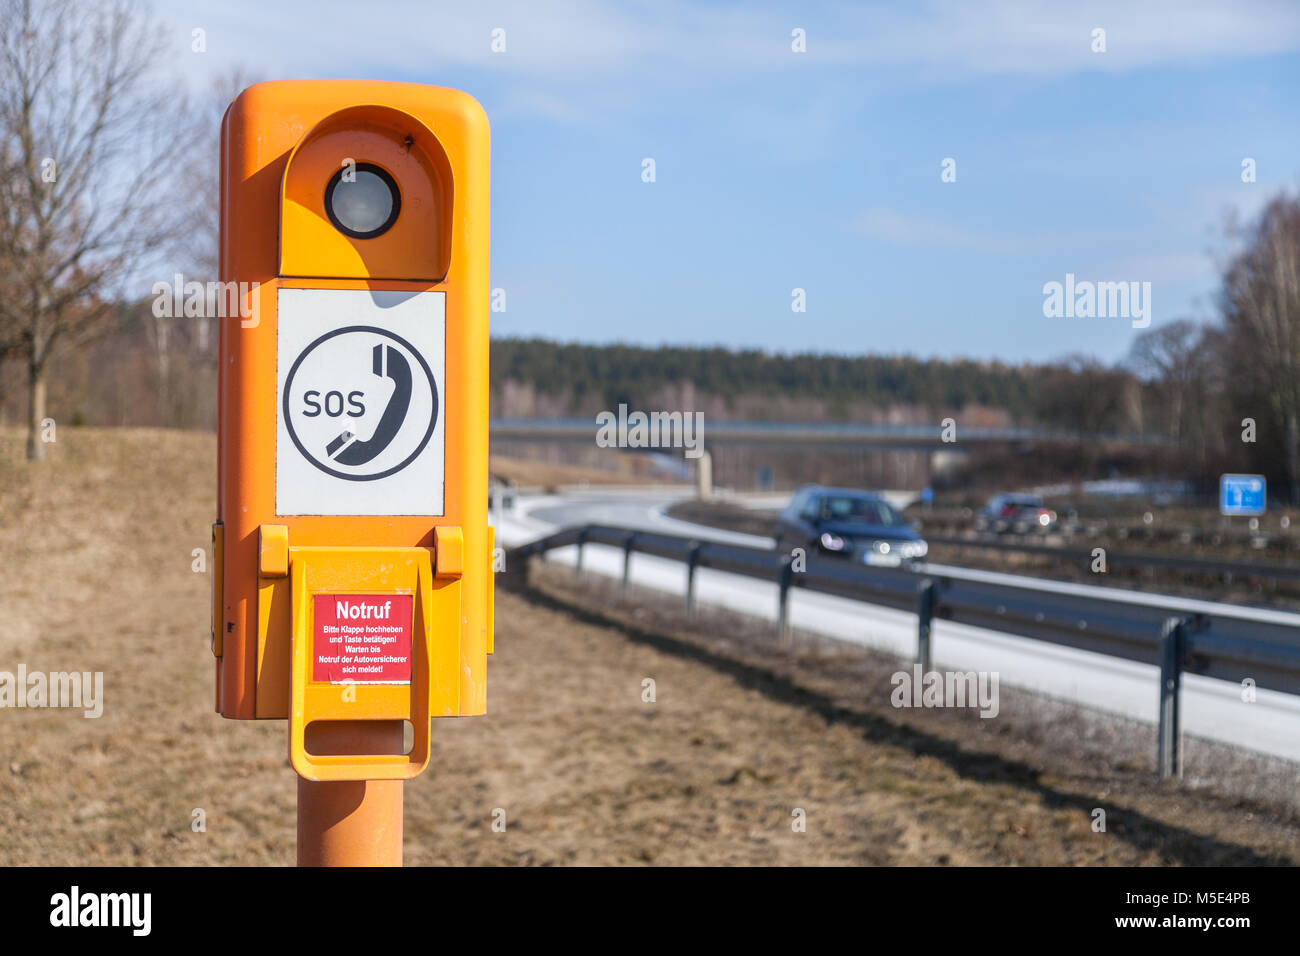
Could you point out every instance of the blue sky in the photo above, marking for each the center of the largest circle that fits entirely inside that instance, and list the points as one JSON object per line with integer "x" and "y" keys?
{"x": 820, "y": 170}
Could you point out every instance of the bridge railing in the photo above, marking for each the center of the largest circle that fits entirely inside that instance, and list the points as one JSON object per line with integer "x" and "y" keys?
{"x": 1214, "y": 640}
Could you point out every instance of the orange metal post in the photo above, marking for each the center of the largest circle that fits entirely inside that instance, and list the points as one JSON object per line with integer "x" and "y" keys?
{"x": 291, "y": 527}
{"x": 351, "y": 822}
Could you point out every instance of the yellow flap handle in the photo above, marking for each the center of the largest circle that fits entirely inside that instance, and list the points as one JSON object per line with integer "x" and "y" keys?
{"x": 374, "y": 574}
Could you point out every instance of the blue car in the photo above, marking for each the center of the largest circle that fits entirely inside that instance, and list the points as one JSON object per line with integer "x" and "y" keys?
{"x": 855, "y": 525}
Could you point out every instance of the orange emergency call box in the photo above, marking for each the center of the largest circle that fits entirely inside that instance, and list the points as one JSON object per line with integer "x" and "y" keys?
{"x": 352, "y": 554}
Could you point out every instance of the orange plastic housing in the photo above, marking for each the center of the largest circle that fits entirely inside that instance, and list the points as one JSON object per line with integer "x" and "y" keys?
{"x": 280, "y": 143}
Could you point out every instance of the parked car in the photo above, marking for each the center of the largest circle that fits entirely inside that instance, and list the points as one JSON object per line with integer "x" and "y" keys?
{"x": 856, "y": 525}
{"x": 1017, "y": 514}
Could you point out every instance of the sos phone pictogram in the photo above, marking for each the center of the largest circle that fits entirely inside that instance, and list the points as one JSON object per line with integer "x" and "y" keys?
{"x": 396, "y": 410}
{"x": 361, "y": 377}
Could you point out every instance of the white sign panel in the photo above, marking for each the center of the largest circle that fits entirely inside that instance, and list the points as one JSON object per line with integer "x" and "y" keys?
{"x": 361, "y": 377}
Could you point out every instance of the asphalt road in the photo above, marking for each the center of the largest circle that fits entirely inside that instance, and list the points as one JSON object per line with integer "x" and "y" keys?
{"x": 1211, "y": 709}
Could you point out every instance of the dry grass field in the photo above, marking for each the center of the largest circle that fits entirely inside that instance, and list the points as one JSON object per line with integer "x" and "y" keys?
{"x": 96, "y": 548}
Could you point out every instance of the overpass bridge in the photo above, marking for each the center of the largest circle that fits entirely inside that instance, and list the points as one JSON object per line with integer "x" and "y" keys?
{"x": 743, "y": 454}
{"x": 826, "y": 434}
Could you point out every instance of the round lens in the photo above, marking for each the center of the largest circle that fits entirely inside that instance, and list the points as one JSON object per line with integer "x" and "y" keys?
{"x": 362, "y": 201}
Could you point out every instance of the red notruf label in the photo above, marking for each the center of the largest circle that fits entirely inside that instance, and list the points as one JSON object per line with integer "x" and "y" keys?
{"x": 362, "y": 638}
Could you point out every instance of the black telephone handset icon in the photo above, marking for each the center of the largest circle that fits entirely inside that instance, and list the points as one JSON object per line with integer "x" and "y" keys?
{"x": 390, "y": 363}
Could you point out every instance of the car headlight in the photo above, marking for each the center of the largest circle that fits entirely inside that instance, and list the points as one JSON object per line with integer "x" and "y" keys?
{"x": 1044, "y": 520}
{"x": 902, "y": 549}
{"x": 833, "y": 542}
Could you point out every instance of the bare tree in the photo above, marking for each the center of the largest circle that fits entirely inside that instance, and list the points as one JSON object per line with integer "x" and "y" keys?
{"x": 1170, "y": 356}
{"x": 1079, "y": 393}
{"x": 1261, "y": 313}
{"x": 183, "y": 345}
{"x": 201, "y": 244}
{"x": 1182, "y": 364}
{"x": 89, "y": 143}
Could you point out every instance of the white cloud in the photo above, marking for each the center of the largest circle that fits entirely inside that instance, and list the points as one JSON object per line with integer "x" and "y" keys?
{"x": 1006, "y": 37}
{"x": 1164, "y": 268}
{"x": 912, "y": 229}
{"x": 674, "y": 41}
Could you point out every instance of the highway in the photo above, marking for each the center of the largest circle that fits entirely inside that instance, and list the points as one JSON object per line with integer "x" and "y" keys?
{"x": 1211, "y": 709}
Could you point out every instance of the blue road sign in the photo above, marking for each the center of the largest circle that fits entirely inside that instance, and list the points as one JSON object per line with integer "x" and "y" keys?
{"x": 1242, "y": 494}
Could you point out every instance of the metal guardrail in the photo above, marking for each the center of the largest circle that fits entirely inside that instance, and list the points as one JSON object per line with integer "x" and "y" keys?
{"x": 1191, "y": 564}
{"x": 1227, "y": 643}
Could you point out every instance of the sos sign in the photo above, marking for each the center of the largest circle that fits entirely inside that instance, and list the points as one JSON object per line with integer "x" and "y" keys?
{"x": 360, "y": 378}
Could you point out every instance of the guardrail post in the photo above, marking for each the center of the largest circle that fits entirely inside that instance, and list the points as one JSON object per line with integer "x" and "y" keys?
{"x": 582, "y": 540}
{"x": 783, "y": 603}
{"x": 925, "y": 598}
{"x": 692, "y": 560}
{"x": 1169, "y": 754}
{"x": 627, "y": 559}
